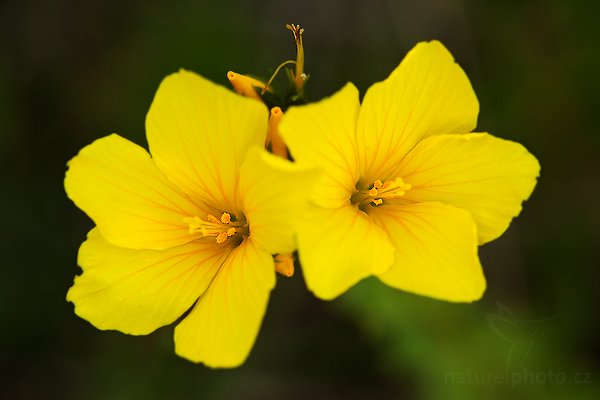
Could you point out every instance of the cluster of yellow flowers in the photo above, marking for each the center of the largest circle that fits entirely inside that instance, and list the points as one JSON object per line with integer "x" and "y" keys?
{"x": 396, "y": 187}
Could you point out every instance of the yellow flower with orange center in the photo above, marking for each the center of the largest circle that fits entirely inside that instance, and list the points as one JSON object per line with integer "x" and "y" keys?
{"x": 194, "y": 224}
{"x": 408, "y": 193}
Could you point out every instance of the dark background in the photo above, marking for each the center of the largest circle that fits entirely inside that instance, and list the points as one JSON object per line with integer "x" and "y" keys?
{"x": 73, "y": 71}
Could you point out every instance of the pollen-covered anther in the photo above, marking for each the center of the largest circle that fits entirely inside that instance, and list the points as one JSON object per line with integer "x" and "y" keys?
{"x": 226, "y": 218}
{"x": 221, "y": 237}
{"x": 220, "y": 228}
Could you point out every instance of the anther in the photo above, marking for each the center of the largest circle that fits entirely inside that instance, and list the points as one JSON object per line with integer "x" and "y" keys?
{"x": 226, "y": 218}
{"x": 284, "y": 264}
{"x": 221, "y": 237}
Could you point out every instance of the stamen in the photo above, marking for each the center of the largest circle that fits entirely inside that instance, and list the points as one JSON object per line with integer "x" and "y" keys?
{"x": 221, "y": 229}
{"x": 221, "y": 237}
{"x": 284, "y": 264}
{"x": 246, "y": 86}
{"x": 380, "y": 191}
{"x": 226, "y": 218}
{"x": 274, "y": 139}
{"x": 299, "y": 76}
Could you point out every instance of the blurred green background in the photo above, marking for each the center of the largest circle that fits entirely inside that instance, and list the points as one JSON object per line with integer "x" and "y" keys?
{"x": 73, "y": 71}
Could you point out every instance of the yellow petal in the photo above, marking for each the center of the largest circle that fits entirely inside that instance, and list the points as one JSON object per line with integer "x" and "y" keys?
{"x": 199, "y": 134}
{"x": 138, "y": 291}
{"x": 222, "y": 327}
{"x": 275, "y": 194}
{"x": 133, "y": 204}
{"x": 436, "y": 251}
{"x": 324, "y": 135}
{"x": 338, "y": 248}
{"x": 485, "y": 175}
{"x": 427, "y": 94}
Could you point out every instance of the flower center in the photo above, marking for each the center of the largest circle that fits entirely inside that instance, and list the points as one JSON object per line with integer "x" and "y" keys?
{"x": 378, "y": 192}
{"x": 222, "y": 228}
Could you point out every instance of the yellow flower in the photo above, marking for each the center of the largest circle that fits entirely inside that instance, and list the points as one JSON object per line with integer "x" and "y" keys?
{"x": 193, "y": 224}
{"x": 408, "y": 193}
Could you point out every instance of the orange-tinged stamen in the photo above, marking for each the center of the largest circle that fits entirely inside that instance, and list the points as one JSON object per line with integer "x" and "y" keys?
{"x": 246, "y": 85}
{"x": 221, "y": 229}
{"x": 274, "y": 139}
{"x": 284, "y": 264}
{"x": 226, "y": 218}
{"x": 221, "y": 237}
{"x": 380, "y": 191}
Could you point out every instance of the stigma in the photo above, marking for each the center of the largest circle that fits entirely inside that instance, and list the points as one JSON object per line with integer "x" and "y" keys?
{"x": 220, "y": 228}
{"x": 378, "y": 192}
